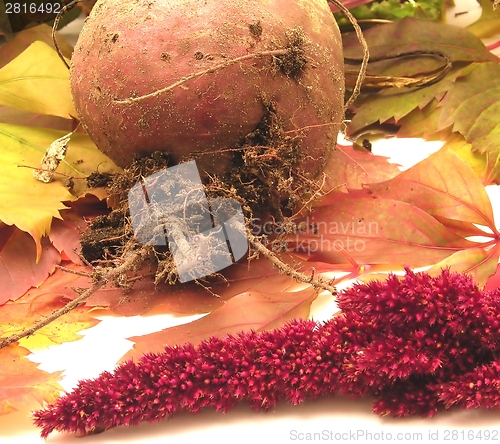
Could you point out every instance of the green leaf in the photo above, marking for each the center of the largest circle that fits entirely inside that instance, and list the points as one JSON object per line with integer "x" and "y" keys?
{"x": 37, "y": 81}
{"x": 465, "y": 101}
{"x": 414, "y": 34}
{"x": 393, "y": 105}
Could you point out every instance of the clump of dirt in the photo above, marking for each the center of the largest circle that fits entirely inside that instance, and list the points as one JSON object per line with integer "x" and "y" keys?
{"x": 293, "y": 62}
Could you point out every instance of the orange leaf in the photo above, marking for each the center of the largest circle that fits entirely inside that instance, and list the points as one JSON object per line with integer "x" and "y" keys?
{"x": 444, "y": 186}
{"x": 351, "y": 168}
{"x": 21, "y": 380}
{"x": 247, "y": 311}
{"x": 477, "y": 261}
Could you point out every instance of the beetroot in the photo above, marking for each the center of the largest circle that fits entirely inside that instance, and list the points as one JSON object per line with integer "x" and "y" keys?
{"x": 224, "y": 82}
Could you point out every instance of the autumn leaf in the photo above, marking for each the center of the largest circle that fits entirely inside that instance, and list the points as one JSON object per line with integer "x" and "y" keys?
{"x": 38, "y": 303}
{"x": 373, "y": 230}
{"x": 37, "y": 81}
{"x": 486, "y": 166}
{"x": 65, "y": 235}
{"x": 19, "y": 270}
{"x": 20, "y": 117}
{"x": 444, "y": 186}
{"x": 494, "y": 280}
{"x": 247, "y": 311}
{"x": 352, "y": 168}
{"x": 22, "y": 40}
{"x": 465, "y": 101}
{"x": 480, "y": 262}
{"x": 144, "y": 298}
{"x": 418, "y": 218}
{"x": 413, "y": 34}
{"x": 30, "y": 204}
{"x": 21, "y": 381}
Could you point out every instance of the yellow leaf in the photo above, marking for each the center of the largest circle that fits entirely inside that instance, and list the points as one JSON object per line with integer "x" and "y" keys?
{"x": 28, "y": 203}
{"x": 38, "y": 303}
{"x": 82, "y": 159}
{"x": 21, "y": 380}
{"x": 486, "y": 165}
{"x": 37, "y": 81}
{"x": 488, "y": 23}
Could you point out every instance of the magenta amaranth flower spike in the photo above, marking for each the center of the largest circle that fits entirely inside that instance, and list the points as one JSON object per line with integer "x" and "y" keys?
{"x": 417, "y": 343}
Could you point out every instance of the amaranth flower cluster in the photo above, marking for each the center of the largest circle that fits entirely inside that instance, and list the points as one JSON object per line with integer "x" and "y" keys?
{"x": 416, "y": 343}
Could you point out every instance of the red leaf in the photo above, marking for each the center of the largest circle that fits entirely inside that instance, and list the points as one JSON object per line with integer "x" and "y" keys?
{"x": 65, "y": 235}
{"x": 374, "y": 231}
{"x": 19, "y": 270}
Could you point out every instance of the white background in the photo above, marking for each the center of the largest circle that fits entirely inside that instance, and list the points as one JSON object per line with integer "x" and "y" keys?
{"x": 104, "y": 344}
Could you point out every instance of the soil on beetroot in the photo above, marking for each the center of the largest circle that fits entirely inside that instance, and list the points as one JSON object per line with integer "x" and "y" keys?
{"x": 263, "y": 181}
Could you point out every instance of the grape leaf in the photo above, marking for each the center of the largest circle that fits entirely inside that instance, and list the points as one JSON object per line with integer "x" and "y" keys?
{"x": 247, "y": 311}
{"x": 418, "y": 218}
{"x": 183, "y": 299}
{"x": 478, "y": 262}
{"x": 423, "y": 123}
{"x": 37, "y": 81}
{"x": 21, "y": 380}
{"x": 414, "y": 34}
{"x": 465, "y": 101}
{"x": 65, "y": 235}
{"x": 393, "y": 105}
{"x": 486, "y": 165}
{"x": 19, "y": 270}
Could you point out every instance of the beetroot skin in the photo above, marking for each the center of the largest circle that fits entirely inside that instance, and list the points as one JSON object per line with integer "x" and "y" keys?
{"x": 130, "y": 49}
